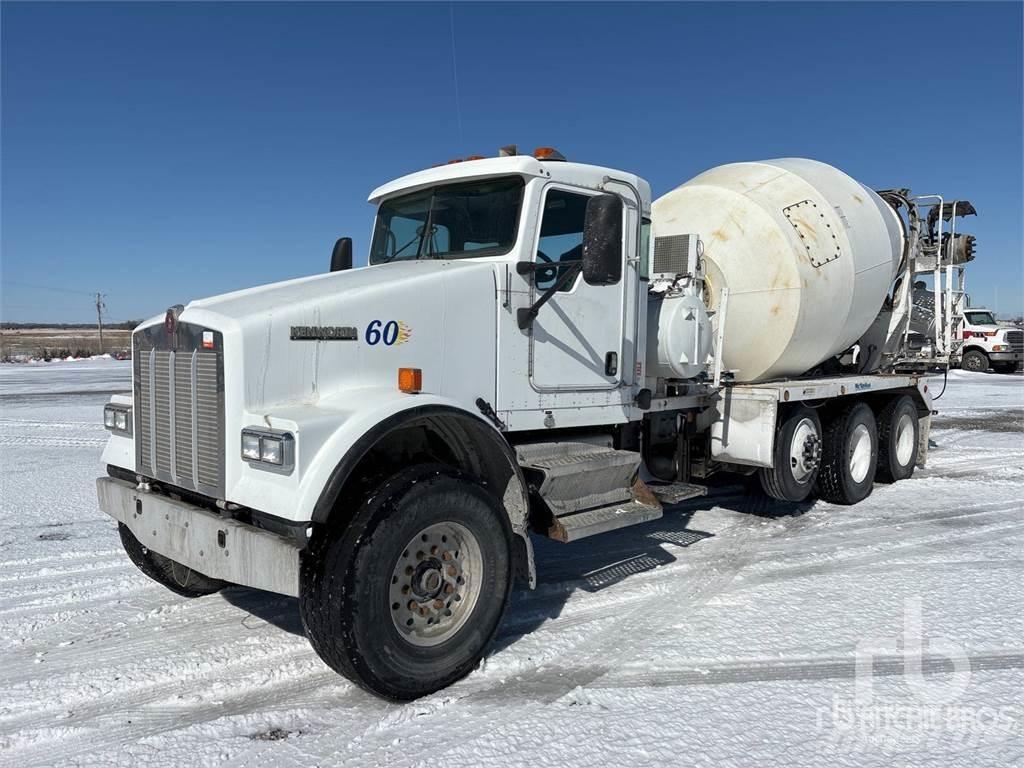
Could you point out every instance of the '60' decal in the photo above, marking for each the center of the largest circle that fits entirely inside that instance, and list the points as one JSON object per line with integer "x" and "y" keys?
{"x": 388, "y": 333}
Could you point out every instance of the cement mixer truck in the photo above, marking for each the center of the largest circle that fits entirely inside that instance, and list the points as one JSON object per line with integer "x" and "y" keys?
{"x": 534, "y": 349}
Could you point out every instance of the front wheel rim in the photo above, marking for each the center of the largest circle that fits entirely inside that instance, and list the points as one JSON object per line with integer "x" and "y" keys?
{"x": 435, "y": 583}
{"x": 860, "y": 453}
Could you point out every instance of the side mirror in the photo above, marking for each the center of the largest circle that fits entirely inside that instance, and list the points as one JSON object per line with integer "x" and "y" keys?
{"x": 341, "y": 256}
{"x": 602, "y": 240}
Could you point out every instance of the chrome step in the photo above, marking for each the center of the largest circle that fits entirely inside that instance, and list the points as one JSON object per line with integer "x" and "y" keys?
{"x": 594, "y": 521}
{"x": 577, "y": 476}
{"x": 673, "y": 493}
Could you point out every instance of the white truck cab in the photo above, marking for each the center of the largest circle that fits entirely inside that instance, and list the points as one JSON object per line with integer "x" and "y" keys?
{"x": 986, "y": 344}
{"x": 521, "y": 356}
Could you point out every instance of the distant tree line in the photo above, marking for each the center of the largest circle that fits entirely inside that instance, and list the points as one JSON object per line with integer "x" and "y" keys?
{"x": 126, "y": 325}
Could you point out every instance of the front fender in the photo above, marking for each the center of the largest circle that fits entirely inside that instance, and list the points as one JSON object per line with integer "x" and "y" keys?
{"x": 334, "y": 434}
{"x": 325, "y": 433}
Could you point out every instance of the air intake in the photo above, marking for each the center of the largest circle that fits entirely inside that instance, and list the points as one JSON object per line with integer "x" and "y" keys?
{"x": 674, "y": 255}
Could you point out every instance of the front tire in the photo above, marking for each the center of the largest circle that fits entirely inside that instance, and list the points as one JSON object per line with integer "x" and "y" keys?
{"x": 849, "y": 455}
{"x": 178, "y": 578}
{"x": 1004, "y": 367}
{"x": 797, "y": 456}
{"x": 406, "y": 598}
{"x": 973, "y": 360}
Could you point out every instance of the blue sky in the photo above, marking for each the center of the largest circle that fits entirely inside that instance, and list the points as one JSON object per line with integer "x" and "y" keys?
{"x": 163, "y": 152}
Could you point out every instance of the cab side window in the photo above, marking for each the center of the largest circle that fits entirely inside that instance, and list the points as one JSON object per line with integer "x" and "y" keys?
{"x": 561, "y": 236}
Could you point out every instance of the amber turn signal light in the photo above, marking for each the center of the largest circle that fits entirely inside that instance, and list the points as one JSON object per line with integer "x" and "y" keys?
{"x": 410, "y": 380}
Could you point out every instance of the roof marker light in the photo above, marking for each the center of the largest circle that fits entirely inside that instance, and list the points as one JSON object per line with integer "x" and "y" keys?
{"x": 548, "y": 153}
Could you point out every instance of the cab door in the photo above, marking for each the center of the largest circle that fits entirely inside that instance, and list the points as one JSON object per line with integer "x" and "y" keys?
{"x": 576, "y": 340}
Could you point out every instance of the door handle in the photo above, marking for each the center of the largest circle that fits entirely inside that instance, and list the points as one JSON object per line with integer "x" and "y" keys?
{"x": 611, "y": 363}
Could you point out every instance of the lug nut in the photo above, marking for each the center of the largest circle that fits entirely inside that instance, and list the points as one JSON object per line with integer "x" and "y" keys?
{"x": 448, "y": 589}
{"x": 438, "y": 605}
{"x": 451, "y": 570}
{"x": 447, "y": 555}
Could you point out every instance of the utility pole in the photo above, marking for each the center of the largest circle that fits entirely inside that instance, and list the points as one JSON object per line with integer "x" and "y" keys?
{"x": 100, "y": 306}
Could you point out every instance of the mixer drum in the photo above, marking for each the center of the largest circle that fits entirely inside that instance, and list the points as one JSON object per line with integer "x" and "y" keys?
{"x": 807, "y": 253}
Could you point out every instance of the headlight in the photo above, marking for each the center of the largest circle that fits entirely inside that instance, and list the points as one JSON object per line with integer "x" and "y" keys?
{"x": 270, "y": 449}
{"x": 118, "y": 419}
{"x": 250, "y": 447}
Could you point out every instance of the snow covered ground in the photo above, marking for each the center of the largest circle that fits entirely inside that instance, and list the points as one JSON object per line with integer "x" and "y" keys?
{"x": 732, "y": 632}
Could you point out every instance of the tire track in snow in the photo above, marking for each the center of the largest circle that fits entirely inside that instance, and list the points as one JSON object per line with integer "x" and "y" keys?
{"x": 62, "y": 425}
{"x": 775, "y": 669}
{"x": 54, "y": 442}
{"x": 889, "y": 529}
{"x": 92, "y": 729}
{"x": 49, "y": 574}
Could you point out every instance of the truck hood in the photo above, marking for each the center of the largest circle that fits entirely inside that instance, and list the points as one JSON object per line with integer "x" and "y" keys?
{"x": 309, "y": 339}
{"x": 331, "y": 285}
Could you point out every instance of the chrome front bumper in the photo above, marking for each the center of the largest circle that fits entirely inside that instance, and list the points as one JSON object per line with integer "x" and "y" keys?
{"x": 210, "y": 544}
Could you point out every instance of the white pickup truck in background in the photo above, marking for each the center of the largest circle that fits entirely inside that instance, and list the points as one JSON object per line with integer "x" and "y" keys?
{"x": 987, "y": 344}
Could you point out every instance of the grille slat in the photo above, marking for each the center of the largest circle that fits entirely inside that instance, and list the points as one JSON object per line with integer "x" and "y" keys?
{"x": 180, "y": 419}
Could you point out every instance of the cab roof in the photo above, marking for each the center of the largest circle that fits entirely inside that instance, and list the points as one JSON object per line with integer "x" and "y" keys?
{"x": 578, "y": 174}
{"x": 523, "y": 165}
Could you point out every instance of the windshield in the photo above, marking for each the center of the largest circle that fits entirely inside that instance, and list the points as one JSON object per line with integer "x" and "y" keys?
{"x": 454, "y": 221}
{"x": 980, "y": 318}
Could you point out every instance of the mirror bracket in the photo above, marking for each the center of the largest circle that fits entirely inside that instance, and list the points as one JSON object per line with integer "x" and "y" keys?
{"x": 526, "y": 315}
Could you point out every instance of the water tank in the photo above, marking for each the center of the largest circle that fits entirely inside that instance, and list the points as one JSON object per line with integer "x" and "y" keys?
{"x": 807, "y": 253}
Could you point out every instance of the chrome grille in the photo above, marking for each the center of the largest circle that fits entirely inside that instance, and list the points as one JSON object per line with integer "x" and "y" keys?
{"x": 179, "y": 418}
{"x": 1016, "y": 340}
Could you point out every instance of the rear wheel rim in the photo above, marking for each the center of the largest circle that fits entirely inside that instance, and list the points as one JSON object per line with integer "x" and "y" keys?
{"x": 435, "y": 583}
{"x": 904, "y": 439}
{"x": 860, "y": 453}
{"x": 804, "y": 451}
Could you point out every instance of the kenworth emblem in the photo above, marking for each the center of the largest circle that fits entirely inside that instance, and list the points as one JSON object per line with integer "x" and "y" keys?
{"x": 324, "y": 333}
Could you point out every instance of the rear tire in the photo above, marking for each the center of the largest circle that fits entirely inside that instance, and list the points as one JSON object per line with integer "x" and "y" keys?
{"x": 973, "y": 360}
{"x": 897, "y": 440}
{"x": 849, "y": 455}
{"x": 397, "y": 620}
{"x": 797, "y": 456}
{"x": 176, "y": 577}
